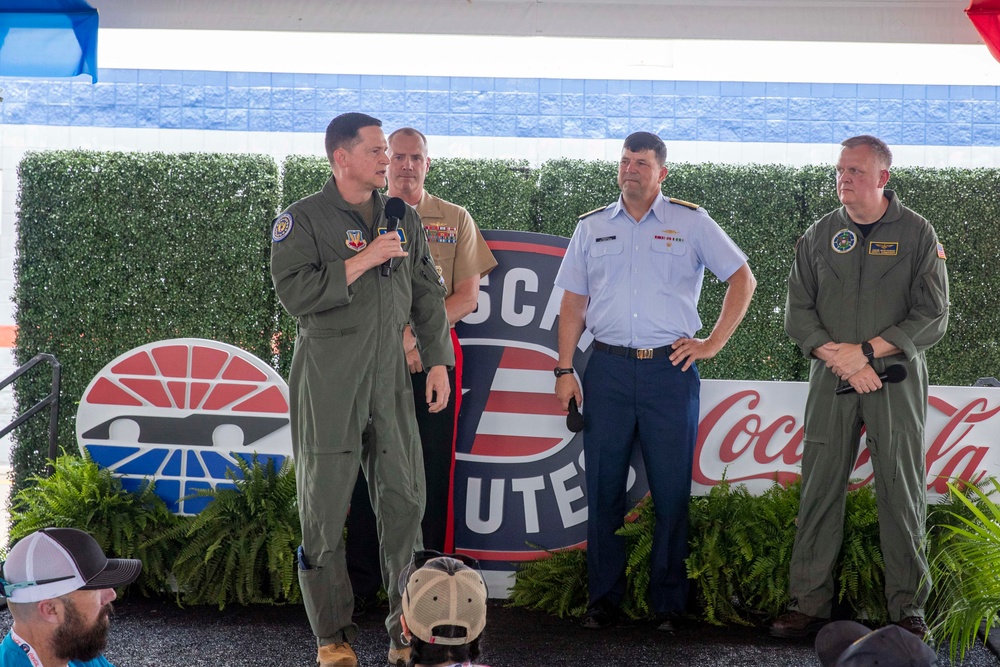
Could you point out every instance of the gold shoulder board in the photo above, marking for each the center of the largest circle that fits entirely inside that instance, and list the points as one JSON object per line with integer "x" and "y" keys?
{"x": 684, "y": 203}
{"x": 596, "y": 210}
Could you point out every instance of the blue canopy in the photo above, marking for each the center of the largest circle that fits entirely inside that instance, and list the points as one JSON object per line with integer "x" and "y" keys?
{"x": 48, "y": 38}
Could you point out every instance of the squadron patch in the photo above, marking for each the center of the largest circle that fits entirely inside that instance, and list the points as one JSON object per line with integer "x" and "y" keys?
{"x": 282, "y": 227}
{"x": 399, "y": 232}
{"x": 940, "y": 251}
{"x": 355, "y": 240}
{"x": 844, "y": 241}
{"x": 883, "y": 248}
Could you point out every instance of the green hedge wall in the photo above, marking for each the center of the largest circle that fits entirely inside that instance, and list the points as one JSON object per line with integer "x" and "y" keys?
{"x": 120, "y": 249}
{"x": 117, "y": 250}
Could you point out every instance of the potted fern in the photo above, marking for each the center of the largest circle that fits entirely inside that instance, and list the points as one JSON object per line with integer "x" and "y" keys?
{"x": 241, "y": 547}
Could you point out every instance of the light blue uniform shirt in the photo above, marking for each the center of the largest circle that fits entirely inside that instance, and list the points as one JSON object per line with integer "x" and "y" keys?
{"x": 644, "y": 279}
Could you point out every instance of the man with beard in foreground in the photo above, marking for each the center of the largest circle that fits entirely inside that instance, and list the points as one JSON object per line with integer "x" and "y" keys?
{"x": 59, "y": 587}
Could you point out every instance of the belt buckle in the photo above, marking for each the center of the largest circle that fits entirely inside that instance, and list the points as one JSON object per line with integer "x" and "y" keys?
{"x": 644, "y": 353}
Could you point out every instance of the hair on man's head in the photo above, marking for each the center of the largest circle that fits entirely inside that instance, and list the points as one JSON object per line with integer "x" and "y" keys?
{"x": 342, "y": 132}
{"x": 409, "y": 132}
{"x": 647, "y": 141}
{"x": 876, "y": 145}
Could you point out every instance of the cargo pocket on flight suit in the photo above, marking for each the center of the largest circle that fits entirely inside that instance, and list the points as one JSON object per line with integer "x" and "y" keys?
{"x": 933, "y": 292}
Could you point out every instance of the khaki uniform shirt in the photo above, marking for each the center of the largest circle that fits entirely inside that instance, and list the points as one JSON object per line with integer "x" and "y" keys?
{"x": 459, "y": 250}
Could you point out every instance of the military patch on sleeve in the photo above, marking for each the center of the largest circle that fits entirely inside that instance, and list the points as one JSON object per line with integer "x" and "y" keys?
{"x": 693, "y": 207}
{"x": 940, "y": 251}
{"x": 282, "y": 227}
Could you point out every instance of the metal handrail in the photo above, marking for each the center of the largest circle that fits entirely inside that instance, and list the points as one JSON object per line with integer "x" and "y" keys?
{"x": 51, "y": 400}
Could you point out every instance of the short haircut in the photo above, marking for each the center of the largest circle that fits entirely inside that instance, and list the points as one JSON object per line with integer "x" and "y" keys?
{"x": 409, "y": 132}
{"x": 876, "y": 145}
{"x": 342, "y": 132}
{"x": 647, "y": 141}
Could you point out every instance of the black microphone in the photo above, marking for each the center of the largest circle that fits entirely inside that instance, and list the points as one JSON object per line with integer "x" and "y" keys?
{"x": 894, "y": 373}
{"x": 395, "y": 208}
{"x": 574, "y": 420}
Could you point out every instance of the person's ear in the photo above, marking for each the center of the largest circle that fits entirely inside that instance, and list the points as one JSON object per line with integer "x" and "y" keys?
{"x": 406, "y": 630}
{"x": 50, "y": 611}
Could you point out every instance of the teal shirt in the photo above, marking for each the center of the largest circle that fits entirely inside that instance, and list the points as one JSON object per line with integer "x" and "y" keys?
{"x": 12, "y": 655}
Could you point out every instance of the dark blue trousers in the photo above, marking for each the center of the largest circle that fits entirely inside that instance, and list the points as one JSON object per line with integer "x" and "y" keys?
{"x": 653, "y": 402}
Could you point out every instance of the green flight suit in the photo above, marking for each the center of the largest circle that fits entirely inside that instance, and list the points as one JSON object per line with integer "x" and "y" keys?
{"x": 845, "y": 288}
{"x": 349, "y": 377}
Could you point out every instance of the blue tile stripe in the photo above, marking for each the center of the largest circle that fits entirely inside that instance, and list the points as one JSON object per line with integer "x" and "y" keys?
{"x": 731, "y": 111}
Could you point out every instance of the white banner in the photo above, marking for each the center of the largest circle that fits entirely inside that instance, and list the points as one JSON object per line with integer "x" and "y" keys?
{"x": 751, "y": 432}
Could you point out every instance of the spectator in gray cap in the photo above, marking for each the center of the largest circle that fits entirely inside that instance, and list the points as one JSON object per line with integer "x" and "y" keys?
{"x": 59, "y": 587}
{"x": 850, "y": 644}
{"x": 444, "y": 609}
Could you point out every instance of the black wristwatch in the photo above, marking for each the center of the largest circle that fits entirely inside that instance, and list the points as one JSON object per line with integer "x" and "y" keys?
{"x": 868, "y": 351}
{"x": 559, "y": 372}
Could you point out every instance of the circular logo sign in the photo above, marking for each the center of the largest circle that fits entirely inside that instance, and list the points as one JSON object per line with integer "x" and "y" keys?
{"x": 182, "y": 412}
{"x": 520, "y": 482}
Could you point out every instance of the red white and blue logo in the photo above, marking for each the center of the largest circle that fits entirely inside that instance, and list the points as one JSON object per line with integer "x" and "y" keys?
{"x": 520, "y": 484}
{"x": 181, "y": 412}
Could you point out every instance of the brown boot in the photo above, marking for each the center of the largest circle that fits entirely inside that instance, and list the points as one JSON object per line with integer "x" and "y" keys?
{"x": 398, "y": 657}
{"x": 337, "y": 655}
{"x": 795, "y": 624}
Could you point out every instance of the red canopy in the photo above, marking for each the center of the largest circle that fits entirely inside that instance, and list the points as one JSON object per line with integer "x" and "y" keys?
{"x": 985, "y": 15}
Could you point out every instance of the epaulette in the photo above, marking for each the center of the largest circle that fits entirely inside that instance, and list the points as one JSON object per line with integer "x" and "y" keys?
{"x": 693, "y": 207}
{"x": 590, "y": 213}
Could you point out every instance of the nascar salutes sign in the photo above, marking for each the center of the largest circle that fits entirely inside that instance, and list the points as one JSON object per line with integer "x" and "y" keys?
{"x": 180, "y": 412}
{"x": 519, "y": 473}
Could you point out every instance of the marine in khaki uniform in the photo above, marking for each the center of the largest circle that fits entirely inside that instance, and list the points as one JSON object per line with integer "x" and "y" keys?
{"x": 868, "y": 289}
{"x": 461, "y": 258}
{"x": 349, "y": 376}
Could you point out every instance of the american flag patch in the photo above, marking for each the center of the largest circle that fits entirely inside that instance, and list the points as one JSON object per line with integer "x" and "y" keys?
{"x": 940, "y": 251}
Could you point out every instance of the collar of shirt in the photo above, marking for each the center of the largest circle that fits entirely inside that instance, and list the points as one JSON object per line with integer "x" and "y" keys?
{"x": 656, "y": 209}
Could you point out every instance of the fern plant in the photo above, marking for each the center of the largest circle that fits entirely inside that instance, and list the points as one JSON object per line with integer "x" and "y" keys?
{"x": 860, "y": 568}
{"x": 241, "y": 547}
{"x": 556, "y": 584}
{"x": 638, "y": 534}
{"x": 81, "y": 495}
{"x": 740, "y": 551}
{"x": 965, "y": 565}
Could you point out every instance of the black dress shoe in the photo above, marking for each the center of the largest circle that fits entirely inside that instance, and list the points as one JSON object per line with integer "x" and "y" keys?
{"x": 599, "y": 617}
{"x": 667, "y": 623}
{"x": 362, "y": 605}
{"x": 795, "y": 625}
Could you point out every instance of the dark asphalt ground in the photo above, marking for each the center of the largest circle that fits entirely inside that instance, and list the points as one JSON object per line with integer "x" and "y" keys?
{"x": 156, "y": 633}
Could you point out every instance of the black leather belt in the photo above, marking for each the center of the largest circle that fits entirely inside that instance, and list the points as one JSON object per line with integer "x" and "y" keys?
{"x": 633, "y": 353}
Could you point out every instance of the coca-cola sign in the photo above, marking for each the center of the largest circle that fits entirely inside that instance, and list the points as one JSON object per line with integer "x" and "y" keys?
{"x": 751, "y": 433}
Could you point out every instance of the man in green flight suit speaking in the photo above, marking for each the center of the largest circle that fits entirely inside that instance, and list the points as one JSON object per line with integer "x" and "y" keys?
{"x": 353, "y": 284}
{"x": 868, "y": 289}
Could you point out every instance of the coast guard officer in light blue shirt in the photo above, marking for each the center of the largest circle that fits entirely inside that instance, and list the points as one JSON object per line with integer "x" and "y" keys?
{"x": 632, "y": 276}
